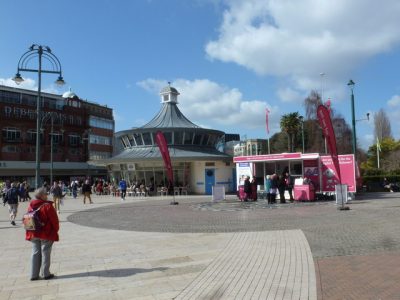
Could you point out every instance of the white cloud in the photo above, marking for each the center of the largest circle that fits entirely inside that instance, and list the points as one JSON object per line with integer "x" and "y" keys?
{"x": 210, "y": 104}
{"x": 301, "y": 39}
{"x": 289, "y": 95}
{"x": 394, "y": 101}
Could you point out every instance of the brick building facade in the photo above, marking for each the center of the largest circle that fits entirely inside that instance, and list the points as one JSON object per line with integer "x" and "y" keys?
{"x": 81, "y": 132}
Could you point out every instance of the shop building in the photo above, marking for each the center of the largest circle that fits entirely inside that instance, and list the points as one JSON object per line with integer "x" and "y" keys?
{"x": 197, "y": 154}
{"x": 78, "y": 133}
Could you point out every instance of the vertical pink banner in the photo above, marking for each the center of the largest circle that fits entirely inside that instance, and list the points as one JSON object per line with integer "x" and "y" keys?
{"x": 324, "y": 119}
{"x": 162, "y": 145}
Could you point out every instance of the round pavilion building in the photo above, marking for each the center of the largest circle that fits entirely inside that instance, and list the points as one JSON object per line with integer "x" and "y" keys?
{"x": 197, "y": 161}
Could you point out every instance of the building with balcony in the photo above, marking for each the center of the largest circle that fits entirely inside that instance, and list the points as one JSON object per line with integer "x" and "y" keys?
{"x": 78, "y": 133}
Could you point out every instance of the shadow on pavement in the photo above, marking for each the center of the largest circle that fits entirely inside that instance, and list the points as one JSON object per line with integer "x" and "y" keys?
{"x": 111, "y": 273}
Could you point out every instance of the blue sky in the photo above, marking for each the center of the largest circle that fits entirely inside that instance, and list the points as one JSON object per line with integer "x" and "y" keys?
{"x": 228, "y": 59}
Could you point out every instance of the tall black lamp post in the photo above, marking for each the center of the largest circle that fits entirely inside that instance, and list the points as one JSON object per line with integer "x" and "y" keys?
{"x": 41, "y": 52}
{"x": 353, "y": 118}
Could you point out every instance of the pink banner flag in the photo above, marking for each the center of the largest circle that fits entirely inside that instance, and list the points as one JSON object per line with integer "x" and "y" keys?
{"x": 266, "y": 119}
{"x": 163, "y": 146}
{"x": 324, "y": 119}
{"x": 328, "y": 104}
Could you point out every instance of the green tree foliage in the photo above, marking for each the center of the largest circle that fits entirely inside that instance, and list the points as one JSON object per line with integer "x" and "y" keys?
{"x": 389, "y": 156}
{"x": 291, "y": 125}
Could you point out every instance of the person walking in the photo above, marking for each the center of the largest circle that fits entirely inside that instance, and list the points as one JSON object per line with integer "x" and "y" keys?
{"x": 281, "y": 188}
{"x": 253, "y": 185}
{"x": 247, "y": 189}
{"x": 274, "y": 187}
{"x": 56, "y": 192}
{"x": 11, "y": 198}
{"x": 289, "y": 182}
{"x": 43, "y": 239}
{"x": 74, "y": 188}
{"x": 122, "y": 187}
{"x": 87, "y": 190}
{"x": 268, "y": 188}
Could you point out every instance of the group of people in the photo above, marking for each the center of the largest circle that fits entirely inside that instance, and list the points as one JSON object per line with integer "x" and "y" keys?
{"x": 274, "y": 185}
{"x": 249, "y": 189}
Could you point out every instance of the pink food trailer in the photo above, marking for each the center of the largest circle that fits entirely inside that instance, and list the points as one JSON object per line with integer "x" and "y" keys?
{"x": 317, "y": 170}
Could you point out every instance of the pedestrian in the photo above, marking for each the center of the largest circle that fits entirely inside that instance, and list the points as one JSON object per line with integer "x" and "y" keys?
{"x": 281, "y": 188}
{"x": 87, "y": 190}
{"x": 274, "y": 187}
{"x": 43, "y": 239}
{"x": 247, "y": 189}
{"x": 289, "y": 181}
{"x": 27, "y": 190}
{"x": 56, "y": 192}
{"x": 253, "y": 185}
{"x": 122, "y": 187}
{"x": 22, "y": 192}
{"x": 268, "y": 188}
{"x": 11, "y": 198}
{"x": 74, "y": 187}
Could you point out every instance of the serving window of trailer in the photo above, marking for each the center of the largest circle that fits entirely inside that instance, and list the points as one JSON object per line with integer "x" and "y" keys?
{"x": 296, "y": 168}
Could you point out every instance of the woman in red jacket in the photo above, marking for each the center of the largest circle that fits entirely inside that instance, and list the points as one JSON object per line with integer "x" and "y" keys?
{"x": 43, "y": 239}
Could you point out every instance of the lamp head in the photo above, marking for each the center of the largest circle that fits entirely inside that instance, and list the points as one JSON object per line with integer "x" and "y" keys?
{"x": 301, "y": 118}
{"x": 60, "y": 81}
{"x": 351, "y": 83}
{"x": 18, "y": 79}
{"x": 367, "y": 116}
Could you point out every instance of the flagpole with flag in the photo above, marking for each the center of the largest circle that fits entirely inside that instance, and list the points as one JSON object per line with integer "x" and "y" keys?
{"x": 378, "y": 149}
{"x": 267, "y": 111}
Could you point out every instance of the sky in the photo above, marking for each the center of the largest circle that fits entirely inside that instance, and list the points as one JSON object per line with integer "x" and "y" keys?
{"x": 229, "y": 59}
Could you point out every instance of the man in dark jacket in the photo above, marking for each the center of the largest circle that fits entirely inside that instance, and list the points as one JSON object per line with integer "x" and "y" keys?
{"x": 11, "y": 198}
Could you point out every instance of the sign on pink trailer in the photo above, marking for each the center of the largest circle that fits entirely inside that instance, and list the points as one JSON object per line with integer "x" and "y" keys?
{"x": 330, "y": 175}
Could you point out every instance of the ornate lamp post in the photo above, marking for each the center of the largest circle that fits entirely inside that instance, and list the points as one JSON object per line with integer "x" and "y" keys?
{"x": 41, "y": 52}
{"x": 353, "y": 118}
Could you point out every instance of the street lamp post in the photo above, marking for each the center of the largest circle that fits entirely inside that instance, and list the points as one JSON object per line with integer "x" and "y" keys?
{"x": 52, "y": 116}
{"x": 301, "y": 118}
{"x": 41, "y": 52}
{"x": 353, "y": 118}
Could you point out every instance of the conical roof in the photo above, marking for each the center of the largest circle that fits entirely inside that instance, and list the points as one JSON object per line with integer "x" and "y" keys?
{"x": 170, "y": 117}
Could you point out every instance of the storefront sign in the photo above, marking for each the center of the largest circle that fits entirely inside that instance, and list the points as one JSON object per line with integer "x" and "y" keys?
{"x": 243, "y": 170}
{"x": 282, "y": 156}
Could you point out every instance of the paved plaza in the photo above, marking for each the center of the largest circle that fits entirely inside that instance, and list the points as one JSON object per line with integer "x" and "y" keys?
{"x": 145, "y": 248}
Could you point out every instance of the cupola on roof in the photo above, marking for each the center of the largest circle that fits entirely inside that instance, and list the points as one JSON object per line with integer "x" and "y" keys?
{"x": 169, "y": 116}
{"x": 169, "y": 90}
{"x": 69, "y": 94}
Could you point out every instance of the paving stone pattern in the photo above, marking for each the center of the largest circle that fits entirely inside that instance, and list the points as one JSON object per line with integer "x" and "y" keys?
{"x": 258, "y": 265}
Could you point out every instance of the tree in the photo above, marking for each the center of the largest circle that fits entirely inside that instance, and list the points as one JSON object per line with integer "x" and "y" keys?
{"x": 382, "y": 128}
{"x": 311, "y": 104}
{"x": 290, "y": 124}
{"x": 389, "y": 155}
